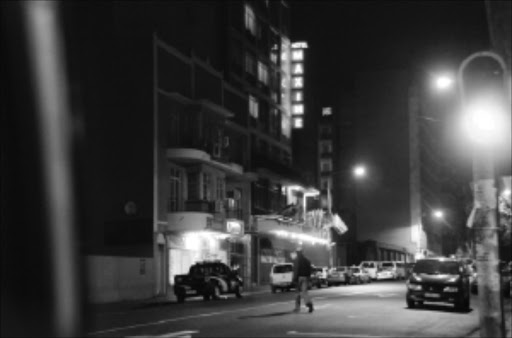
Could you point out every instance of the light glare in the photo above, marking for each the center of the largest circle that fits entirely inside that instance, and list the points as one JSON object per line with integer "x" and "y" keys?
{"x": 444, "y": 82}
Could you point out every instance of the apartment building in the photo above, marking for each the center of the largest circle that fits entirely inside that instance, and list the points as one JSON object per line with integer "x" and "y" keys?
{"x": 187, "y": 135}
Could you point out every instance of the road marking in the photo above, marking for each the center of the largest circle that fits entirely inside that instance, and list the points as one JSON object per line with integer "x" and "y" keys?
{"x": 330, "y": 334}
{"x": 183, "y": 318}
{"x": 179, "y": 334}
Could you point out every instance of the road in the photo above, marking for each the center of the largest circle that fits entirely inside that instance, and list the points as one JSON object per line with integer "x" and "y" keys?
{"x": 371, "y": 310}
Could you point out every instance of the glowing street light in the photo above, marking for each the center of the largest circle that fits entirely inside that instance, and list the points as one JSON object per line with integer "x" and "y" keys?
{"x": 443, "y": 82}
{"x": 359, "y": 171}
{"x": 439, "y": 214}
{"x": 506, "y": 193}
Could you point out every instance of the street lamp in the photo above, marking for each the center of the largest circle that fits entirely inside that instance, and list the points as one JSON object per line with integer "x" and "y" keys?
{"x": 439, "y": 214}
{"x": 359, "y": 171}
{"x": 485, "y": 202}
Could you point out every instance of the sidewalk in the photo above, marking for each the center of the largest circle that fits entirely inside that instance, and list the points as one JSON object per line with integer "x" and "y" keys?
{"x": 162, "y": 300}
{"x": 507, "y": 310}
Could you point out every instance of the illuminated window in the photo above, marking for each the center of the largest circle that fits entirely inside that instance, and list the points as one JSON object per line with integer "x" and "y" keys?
{"x": 326, "y": 111}
{"x": 298, "y": 122}
{"x": 253, "y": 106}
{"x": 297, "y": 96}
{"x": 298, "y": 109}
{"x": 262, "y": 73}
{"x": 250, "y": 20}
{"x": 297, "y": 55}
{"x": 298, "y": 82}
{"x": 298, "y": 69}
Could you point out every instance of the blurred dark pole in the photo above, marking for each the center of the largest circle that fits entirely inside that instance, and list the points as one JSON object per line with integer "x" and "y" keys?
{"x": 40, "y": 284}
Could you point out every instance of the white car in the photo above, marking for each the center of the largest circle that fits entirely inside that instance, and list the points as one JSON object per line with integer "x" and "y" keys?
{"x": 371, "y": 267}
{"x": 386, "y": 270}
{"x": 281, "y": 277}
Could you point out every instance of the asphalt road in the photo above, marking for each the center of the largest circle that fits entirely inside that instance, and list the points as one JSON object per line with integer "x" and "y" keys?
{"x": 371, "y": 310}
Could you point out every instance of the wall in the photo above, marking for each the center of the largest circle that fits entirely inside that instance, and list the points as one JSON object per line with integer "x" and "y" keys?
{"x": 113, "y": 279}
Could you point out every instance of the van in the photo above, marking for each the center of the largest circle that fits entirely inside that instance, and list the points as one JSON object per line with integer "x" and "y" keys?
{"x": 281, "y": 277}
{"x": 371, "y": 267}
{"x": 392, "y": 269}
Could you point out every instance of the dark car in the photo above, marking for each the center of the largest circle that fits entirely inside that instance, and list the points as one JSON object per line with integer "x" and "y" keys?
{"x": 439, "y": 280}
{"x": 209, "y": 279}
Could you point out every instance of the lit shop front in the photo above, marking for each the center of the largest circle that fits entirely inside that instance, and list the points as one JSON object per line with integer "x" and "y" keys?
{"x": 275, "y": 239}
{"x": 201, "y": 236}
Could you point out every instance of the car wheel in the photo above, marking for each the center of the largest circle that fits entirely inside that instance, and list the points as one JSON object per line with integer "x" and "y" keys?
{"x": 410, "y": 303}
{"x": 215, "y": 292}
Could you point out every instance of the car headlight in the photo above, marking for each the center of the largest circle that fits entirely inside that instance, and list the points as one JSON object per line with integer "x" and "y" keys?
{"x": 415, "y": 287}
{"x": 453, "y": 279}
{"x": 450, "y": 289}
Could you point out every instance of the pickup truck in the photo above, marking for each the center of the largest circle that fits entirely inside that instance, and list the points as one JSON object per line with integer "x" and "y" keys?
{"x": 209, "y": 279}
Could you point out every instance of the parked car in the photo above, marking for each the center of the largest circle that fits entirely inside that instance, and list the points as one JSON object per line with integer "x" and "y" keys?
{"x": 209, "y": 279}
{"x": 505, "y": 277}
{"x": 439, "y": 280}
{"x": 396, "y": 267}
{"x": 319, "y": 276}
{"x": 371, "y": 267}
{"x": 281, "y": 277}
{"x": 337, "y": 275}
{"x": 385, "y": 270}
{"x": 361, "y": 275}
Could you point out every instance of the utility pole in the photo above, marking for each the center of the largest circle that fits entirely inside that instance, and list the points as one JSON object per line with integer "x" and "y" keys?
{"x": 485, "y": 223}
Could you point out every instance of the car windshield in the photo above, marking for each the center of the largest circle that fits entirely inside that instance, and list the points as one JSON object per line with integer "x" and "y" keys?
{"x": 387, "y": 265}
{"x": 283, "y": 268}
{"x": 367, "y": 265}
{"x": 340, "y": 269}
{"x": 356, "y": 270}
{"x": 436, "y": 267}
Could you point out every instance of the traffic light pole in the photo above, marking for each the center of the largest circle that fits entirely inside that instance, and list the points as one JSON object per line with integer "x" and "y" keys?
{"x": 485, "y": 224}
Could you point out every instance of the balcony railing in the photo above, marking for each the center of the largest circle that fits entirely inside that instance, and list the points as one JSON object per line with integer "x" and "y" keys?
{"x": 212, "y": 207}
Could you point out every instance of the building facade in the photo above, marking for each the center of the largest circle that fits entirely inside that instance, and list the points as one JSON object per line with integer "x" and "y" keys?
{"x": 188, "y": 136}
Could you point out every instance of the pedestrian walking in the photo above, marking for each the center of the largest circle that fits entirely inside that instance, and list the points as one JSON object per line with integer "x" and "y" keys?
{"x": 301, "y": 275}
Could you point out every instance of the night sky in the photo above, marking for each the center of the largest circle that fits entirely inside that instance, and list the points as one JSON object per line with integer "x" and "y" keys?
{"x": 349, "y": 36}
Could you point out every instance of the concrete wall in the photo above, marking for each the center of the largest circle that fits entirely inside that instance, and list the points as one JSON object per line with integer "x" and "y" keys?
{"x": 113, "y": 279}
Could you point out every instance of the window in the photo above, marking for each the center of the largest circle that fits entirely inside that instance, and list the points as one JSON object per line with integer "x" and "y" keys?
{"x": 325, "y": 165}
{"x": 253, "y": 106}
{"x": 262, "y": 73}
{"x": 175, "y": 189}
{"x": 297, "y": 96}
{"x": 298, "y": 122}
{"x": 207, "y": 186}
{"x": 249, "y": 63}
{"x": 250, "y": 20}
{"x": 298, "y": 109}
{"x": 326, "y": 147}
{"x": 326, "y": 183}
{"x": 221, "y": 188}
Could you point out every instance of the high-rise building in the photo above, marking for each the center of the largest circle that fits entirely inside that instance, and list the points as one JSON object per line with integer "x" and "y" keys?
{"x": 187, "y": 115}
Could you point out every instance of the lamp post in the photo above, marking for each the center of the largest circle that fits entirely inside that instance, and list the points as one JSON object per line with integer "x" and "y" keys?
{"x": 485, "y": 208}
